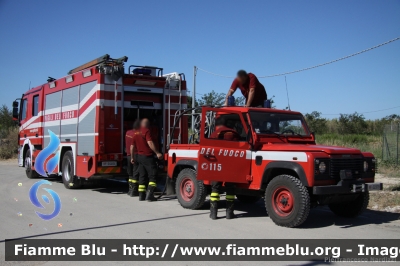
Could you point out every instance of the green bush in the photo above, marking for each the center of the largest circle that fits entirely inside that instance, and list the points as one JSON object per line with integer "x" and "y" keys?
{"x": 9, "y": 145}
{"x": 365, "y": 143}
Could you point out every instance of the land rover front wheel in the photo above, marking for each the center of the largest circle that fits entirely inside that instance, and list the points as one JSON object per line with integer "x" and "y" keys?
{"x": 287, "y": 201}
{"x": 191, "y": 193}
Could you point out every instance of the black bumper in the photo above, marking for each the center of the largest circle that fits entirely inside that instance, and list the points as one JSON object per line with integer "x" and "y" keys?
{"x": 347, "y": 188}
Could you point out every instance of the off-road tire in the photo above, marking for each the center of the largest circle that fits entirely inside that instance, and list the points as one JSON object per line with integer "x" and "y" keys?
{"x": 351, "y": 209}
{"x": 294, "y": 205}
{"x": 30, "y": 173}
{"x": 246, "y": 199}
{"x": 69, "y": 179}
{"x": 191, "y": 193}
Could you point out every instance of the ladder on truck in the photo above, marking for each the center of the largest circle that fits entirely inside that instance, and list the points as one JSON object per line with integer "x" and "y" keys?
{"x": 174, "y": 83}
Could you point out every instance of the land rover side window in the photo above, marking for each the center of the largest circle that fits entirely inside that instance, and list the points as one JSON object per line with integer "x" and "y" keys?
{"x": 35, "y": 107}
{"x": 228, "y": 127}
{"x": 278, "y": 123}
{"x": 23, "y": 109}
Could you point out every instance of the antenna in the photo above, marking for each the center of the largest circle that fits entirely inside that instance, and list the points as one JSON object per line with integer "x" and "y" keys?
{"x": 29, "y": 85}
{"x": 287, "y": 94}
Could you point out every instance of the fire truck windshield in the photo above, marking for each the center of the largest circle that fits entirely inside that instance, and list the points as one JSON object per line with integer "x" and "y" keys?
{"x": 278, "y": 124}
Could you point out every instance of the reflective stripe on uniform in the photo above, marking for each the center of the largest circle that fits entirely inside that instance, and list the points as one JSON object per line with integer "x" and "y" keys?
{"x": 142, "y": 188}
{"x": 153, "y": 184}
{"x": 214, "y": 196}
{"x": 134, "y": 181}
{"x": 230, "y": 197}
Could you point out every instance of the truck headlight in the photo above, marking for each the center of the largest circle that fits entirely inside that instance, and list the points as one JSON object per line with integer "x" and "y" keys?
{"x": 365, "y": 166}
{"x": 322, "y": 167}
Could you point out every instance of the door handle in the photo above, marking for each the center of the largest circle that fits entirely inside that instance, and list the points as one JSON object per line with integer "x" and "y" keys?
{"x": 209, "y": 156}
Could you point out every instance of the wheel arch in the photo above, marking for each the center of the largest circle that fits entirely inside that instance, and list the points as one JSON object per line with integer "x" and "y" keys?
{"x": 27, "y": 145}
{"x": 276, "y": 168}
{"x": 64, "y": 147}
{"x": 182, "y": 164}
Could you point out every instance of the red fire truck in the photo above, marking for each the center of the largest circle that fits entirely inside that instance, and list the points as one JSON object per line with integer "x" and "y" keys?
{"x": 90, "y": 110}
{"x": 272, "y": 154}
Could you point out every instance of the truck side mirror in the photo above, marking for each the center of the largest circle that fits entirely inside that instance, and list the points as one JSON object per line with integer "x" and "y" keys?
{"x": 15, "y": 112}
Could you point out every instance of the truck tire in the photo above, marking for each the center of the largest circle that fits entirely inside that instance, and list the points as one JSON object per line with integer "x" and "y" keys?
{"x": 287, "y": 201}
{"x": 351, "y": 209}
{"x": 69, "y": 179}
{"x": 248, "y": 199}
{"x": 191, "y": 193}
{"x": 30, "y": 173}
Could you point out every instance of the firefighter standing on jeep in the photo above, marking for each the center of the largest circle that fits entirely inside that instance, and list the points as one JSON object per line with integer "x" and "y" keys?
{"x": 251, "y": 88}
{"x": 132, "y": 169}
{"x": 223, "y": 130}
{"x": 145, "y": 147}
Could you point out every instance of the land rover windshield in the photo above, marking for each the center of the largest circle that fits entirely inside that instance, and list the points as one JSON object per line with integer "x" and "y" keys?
{"x": 278, "y": 123}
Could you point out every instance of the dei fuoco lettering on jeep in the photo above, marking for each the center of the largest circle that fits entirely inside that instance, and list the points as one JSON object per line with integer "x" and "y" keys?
{"x": 271, "y": 154}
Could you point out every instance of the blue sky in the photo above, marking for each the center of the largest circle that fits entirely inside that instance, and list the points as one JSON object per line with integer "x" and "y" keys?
{"x": 48, "y": 38}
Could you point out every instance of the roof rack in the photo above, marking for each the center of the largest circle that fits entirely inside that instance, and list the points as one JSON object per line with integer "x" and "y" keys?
{"x": 100, "y": 60}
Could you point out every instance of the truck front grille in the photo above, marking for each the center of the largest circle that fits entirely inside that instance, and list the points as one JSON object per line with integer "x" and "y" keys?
{"x": 353, "y": 164}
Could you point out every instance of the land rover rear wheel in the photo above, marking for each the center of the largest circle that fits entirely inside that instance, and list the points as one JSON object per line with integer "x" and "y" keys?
{"x": 191, "y": 193}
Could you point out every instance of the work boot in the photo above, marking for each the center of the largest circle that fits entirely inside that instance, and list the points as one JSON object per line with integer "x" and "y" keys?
{"x": 229, "y": 210}
{"x": 130, "y": 184}
{"x": 150, "y": 193}
{"x": 135, "y": 191}
{"x": 142, "y": 196}
{"x": 213, "y": 210}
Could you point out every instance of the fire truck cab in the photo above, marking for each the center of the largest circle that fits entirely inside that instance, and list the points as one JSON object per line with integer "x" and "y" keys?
{"x": 89, "y": 111}
{"x": 269, "y": 153}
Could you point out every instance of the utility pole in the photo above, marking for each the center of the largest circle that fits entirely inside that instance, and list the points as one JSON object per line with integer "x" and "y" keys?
{"x": 194, "y": 95}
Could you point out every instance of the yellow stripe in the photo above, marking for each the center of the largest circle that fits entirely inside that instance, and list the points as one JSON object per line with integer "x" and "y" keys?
{"x": 142, "y": 186}
{"x": 214, "y": 199}
{"x": 152, "y": 184}
{"x": 134, "y": 181}
{"x": 231, "y": 197}
{"x": 214, "y": 194}
{"x": 130, "y": 180}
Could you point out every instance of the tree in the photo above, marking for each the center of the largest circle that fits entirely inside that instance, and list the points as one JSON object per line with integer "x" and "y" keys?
{"x": 6, "y": 120}
{"x": 352, "y": 124}
{"x": 189, "y": 102}
{"x": 316, "y": 123}
{"x": 240, "y": 101}
{"x": 212, "y": 99}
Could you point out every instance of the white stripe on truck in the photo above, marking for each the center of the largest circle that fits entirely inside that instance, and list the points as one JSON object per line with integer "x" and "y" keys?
{"x": 266, "y": 155}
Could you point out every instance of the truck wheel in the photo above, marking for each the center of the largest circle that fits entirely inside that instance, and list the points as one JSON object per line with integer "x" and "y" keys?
{"x": 30, "y": 173}
{"x": 70, "y": 181}
{"x": 248, "y": 199}
{"x": 287, "y": 201}
{"x": 191, "y": 193}
{"x": 351, "y": 209}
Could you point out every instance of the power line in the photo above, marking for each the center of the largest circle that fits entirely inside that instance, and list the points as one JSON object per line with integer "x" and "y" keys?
{"x": 371, "y": 111}
{"x": 312, "y": 67}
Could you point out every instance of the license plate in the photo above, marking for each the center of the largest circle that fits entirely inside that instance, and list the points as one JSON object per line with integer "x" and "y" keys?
{"x": 109, "y": 163}
{"x": 374, "y": 186}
